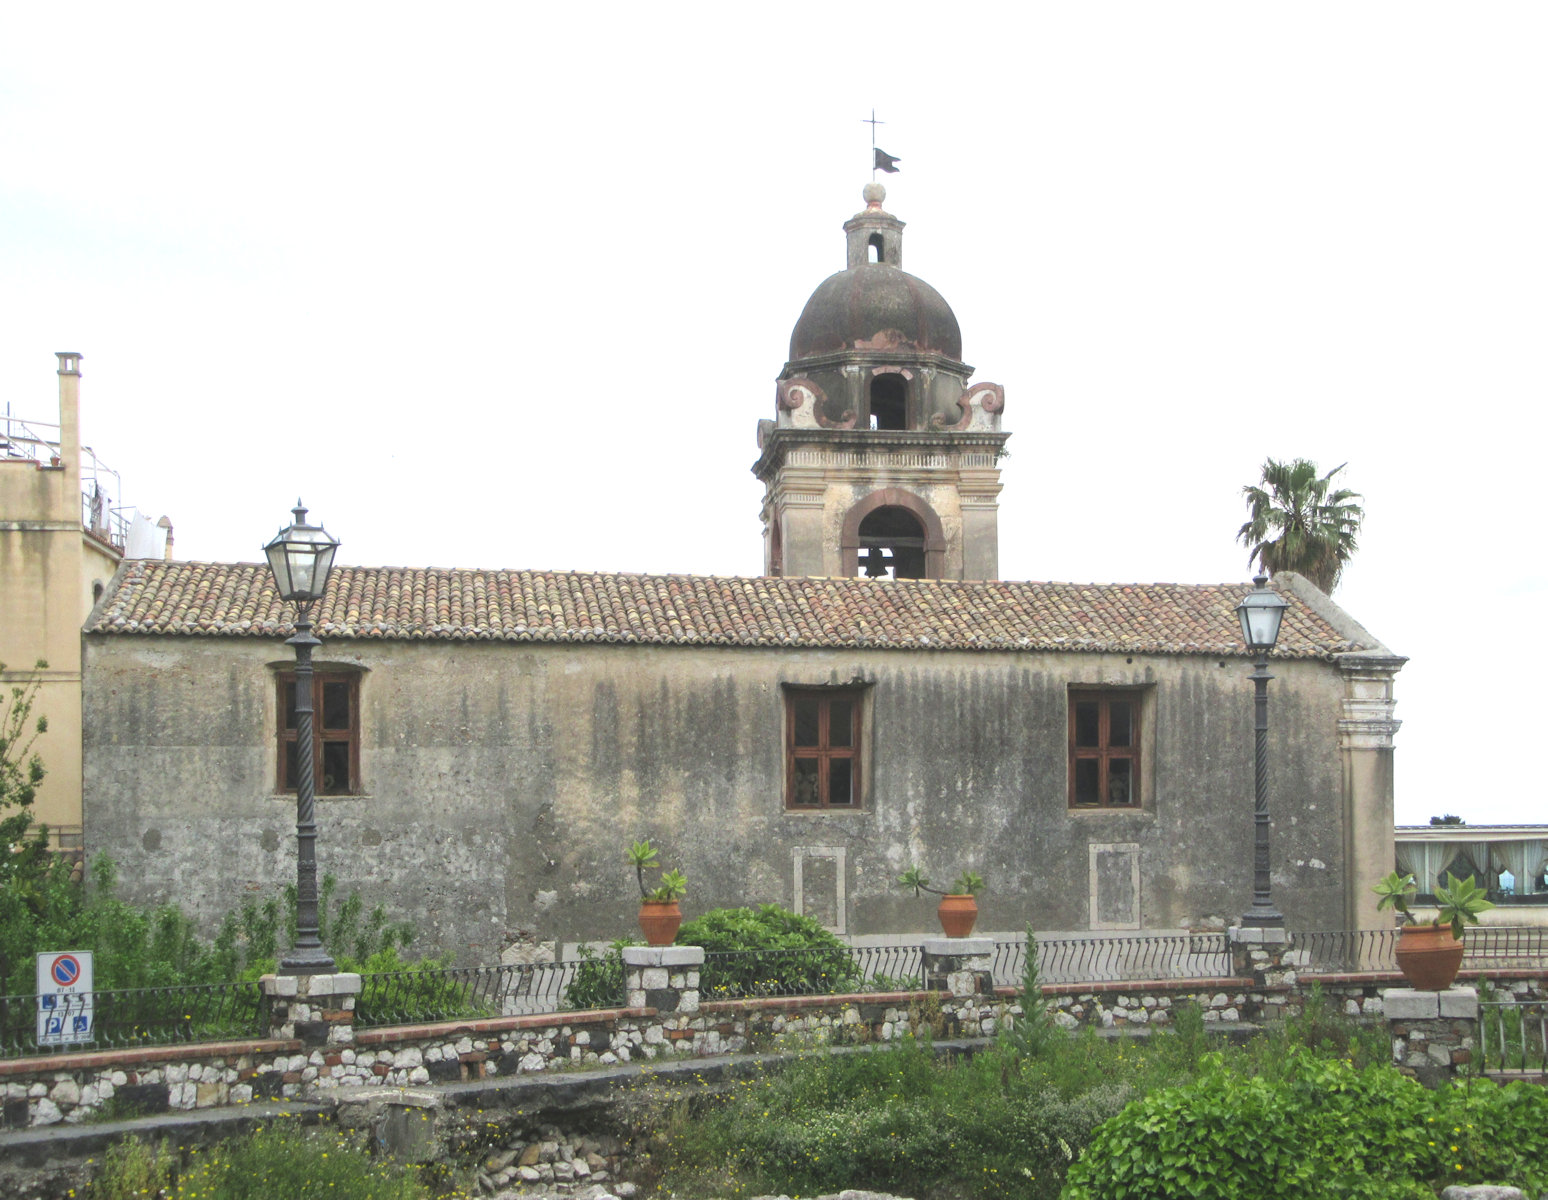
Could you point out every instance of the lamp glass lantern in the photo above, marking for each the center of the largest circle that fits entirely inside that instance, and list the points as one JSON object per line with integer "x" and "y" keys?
{"x": 301, "y": 558}
{"x": 1260, "y": 613}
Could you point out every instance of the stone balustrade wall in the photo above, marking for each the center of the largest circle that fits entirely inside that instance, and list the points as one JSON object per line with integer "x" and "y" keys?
{"x": 75, "y": 1087}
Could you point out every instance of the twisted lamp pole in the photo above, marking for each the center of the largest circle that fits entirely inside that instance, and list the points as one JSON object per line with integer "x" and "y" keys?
{"x": 1260, "y": 614}
{"x": 300, "y": 558}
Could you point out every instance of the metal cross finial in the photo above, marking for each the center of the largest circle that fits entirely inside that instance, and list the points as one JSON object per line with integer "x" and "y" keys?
{"x": 873, "y": 123}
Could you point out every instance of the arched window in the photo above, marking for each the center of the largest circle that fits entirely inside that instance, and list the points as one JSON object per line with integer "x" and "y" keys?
{"x": 892, "y": 545}
{"x": 878, "y": 248}
{"x": 889, "y": 401}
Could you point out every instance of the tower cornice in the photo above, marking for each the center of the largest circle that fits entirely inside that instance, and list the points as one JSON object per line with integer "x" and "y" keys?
{"x": 778, "y": 442}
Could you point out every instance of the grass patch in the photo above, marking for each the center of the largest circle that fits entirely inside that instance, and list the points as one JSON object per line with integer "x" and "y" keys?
{"x": 282, "y": 1159}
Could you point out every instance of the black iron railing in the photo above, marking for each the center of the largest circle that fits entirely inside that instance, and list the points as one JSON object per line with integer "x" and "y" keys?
{"x": 468, "y": 993}
{"x": 1513, "y": 1035}
{"x": 129, "y": 1018}
{"x": 1484, "y": 948}
{"x": 1117, "y": 958}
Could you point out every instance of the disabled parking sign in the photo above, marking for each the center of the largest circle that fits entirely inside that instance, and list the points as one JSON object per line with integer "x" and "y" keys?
{"x": 64, "y": 997}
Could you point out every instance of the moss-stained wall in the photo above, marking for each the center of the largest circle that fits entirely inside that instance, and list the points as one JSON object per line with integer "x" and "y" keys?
{"x": 501, "y": 783}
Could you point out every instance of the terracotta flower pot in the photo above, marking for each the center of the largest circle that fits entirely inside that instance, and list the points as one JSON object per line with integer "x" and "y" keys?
{"x": 957, "y": 914}
{"x": 1428, "y": 956}
{"x": 659, "y": 921}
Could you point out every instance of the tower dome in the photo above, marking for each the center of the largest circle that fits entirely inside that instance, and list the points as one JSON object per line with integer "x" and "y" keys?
{"x": 874, "y": 304}
{"x": 875, "y": 307}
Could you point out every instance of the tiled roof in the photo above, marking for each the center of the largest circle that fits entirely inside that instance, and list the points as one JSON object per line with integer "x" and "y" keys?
{"x": 417, "y": 603}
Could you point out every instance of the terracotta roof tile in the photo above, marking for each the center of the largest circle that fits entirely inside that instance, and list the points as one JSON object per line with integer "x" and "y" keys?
{"x": 238, "y": 600}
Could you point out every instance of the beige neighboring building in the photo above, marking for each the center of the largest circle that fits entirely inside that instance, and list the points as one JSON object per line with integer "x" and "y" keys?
{"x": 63, "y": 532}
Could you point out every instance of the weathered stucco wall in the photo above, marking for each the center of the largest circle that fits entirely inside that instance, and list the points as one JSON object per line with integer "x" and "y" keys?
{"x": 501, "y": 783}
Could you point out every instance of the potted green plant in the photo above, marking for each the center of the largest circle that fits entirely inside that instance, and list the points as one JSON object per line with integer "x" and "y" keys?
{"x": 1429, "y": 953}
{"x": 958, "y": 908}
{"x": 659, "y": 914}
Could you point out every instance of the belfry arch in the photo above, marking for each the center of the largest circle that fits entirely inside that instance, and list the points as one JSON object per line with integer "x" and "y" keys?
{"x": 892, "y": 520}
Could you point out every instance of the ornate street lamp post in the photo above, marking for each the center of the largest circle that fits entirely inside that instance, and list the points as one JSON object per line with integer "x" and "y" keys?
{"x": 1260, "y": 614}
{"x": 300, "y": 558}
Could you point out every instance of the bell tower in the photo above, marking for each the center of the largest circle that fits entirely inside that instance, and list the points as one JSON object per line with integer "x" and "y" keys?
{"x": 881, "y": 460}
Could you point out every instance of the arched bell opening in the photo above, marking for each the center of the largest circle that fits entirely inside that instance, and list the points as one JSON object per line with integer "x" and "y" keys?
{"x": 892, "y": 545}
{"x": 903, "y": 521}
{"x": 889, "y": 401}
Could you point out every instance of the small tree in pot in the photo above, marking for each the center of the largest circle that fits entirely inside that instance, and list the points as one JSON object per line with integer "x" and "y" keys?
{"x": 1429, "y": 953}
{"x": 659, "y": 914}
{"x": 958, "y": 908}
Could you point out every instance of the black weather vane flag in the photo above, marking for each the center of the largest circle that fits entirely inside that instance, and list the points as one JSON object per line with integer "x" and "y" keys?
{"x": 880, "y": 159}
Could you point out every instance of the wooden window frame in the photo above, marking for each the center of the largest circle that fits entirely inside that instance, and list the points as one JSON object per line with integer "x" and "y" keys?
{"x": 320, "y": 735}
{"x": 823, "y": 753}
{"x": 1103, "y": 753}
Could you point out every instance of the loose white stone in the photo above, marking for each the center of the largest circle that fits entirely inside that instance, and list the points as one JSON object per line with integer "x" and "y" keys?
{"x": 46, "y": 1112}
{"x": 65, "y": 1092}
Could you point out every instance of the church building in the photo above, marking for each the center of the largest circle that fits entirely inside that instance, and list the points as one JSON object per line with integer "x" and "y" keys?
{"x": 490, "y": 741}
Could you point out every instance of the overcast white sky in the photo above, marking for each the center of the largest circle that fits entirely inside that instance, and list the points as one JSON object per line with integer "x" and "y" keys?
{"x": 509, "y": 285}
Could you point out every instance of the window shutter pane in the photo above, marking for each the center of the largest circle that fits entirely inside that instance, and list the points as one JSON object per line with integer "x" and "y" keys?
{"x": 335, "y": 769}
{"x": 288, "y": 691}
{"x": 803, "y": 792}
{"x": 1088, "y": 723}
{"x": 1120, "y": 781}
{"x": 840, "y": 781}
{"x": 1120, "y": 723}
{"x": 288, "y": 784}
{"x": 335, "y": 705}
{"x": 841, "y": 716}
{"x": 806, "y": 720}
{"x": 1087, "y": 775}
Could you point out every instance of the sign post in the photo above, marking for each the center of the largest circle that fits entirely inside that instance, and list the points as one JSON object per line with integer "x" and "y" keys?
{"x": 65, "y": 1007}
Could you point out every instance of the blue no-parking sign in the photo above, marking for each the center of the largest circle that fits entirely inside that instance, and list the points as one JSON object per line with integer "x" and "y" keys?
{"x": 64, "y": 997}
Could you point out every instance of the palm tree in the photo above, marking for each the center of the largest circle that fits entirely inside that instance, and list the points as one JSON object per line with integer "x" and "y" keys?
{"x": 1298, "y": 522}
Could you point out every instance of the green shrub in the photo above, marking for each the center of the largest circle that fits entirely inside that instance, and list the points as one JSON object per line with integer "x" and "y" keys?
{"x": 395, "y": 992}
{"x": 599, "y": 980}
{"x": 777, "y": 953}
{"x": 1321, "y": 1128}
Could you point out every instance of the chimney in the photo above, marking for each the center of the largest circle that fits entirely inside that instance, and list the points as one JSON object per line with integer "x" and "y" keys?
{"x": 70, "y": 431}
{"x": 166, "y": 523}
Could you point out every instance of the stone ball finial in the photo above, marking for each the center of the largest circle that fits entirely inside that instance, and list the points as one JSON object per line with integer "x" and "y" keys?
{"x": 874, "y": 193}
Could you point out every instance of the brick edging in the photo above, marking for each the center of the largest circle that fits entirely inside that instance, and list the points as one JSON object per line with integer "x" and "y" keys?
{"x": 792, "y": 1003}
{"x": 135, "y": 1057}
{"x": 380, "y": 1034}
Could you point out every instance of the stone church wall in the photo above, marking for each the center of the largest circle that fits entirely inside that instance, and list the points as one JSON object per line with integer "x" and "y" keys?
{"x": 501, "y": 783}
